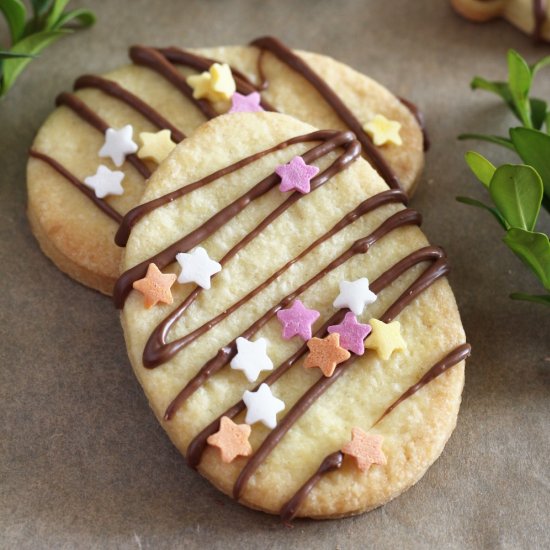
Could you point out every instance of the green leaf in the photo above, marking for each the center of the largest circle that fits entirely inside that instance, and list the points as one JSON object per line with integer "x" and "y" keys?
{"x": 11, "y": 55}
{"x": 534, "y": 251}
{"x": 538, "y": 298}
{"x": 41, "y": 7}
{"x": 516, "y": 191}
{"x": 499, "y": 88}
{"x": 540, "y": 64}
{"x": 15, "y": 13}
{"x": 497, "y": 140}
{"x": 85, "y": 18}
{"x": 538, "y": 112}
{"x": 533, "y": 147}
{"x": 479, "y": 204}
{"x": 31, "y": 45}
{"x": 481, "y": 167}
{"x": 519, "y": 83}
{"x": 55, "y": 14}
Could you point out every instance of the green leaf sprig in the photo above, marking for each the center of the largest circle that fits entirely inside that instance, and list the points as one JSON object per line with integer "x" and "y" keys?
{"x": 49, "y": 22}
{"x": 518, "y": 190}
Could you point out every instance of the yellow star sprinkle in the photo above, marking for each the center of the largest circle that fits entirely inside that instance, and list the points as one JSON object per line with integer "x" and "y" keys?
{"x": 156, "y": 145}
{"x": 382, "y": 131}
{"x": 385, "y": 338}
{"x": 216, "y": 84}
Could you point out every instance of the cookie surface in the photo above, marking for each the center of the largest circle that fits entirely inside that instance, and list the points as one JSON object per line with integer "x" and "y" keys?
{"x": 274, "y": 248}
{"x": 78, "y": 236}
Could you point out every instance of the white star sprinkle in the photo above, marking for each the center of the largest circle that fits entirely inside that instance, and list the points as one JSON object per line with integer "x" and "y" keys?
{"x": 197, "y": 267}
{"x": 251, "y": 358}
{"x": 355, "y": 295}
{"x": 105, "y": 182}
{"x": 262, "y": 406}
{"x": 118, "y": 144}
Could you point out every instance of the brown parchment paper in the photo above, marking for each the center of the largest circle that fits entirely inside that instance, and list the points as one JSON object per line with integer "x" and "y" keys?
{"x": 83, "y": 462}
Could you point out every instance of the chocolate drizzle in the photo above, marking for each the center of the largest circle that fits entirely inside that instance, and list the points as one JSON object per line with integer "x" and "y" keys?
{"x": 152, "y": 59}
{"x": 438, "y": 269}
{"x": 100, "y": 203}
{"x": 157, "y": 351}
{"x": 85, "y": 113}
{"x": 334, "y": 460}
{"x": 429, "y": 276}
{"x": 331, "y": 139}
{"x": 286, "y": 55}
{"x": 539, "y": 15}
{"x": 419, "y": 116}
{"x": 112, "y": 88}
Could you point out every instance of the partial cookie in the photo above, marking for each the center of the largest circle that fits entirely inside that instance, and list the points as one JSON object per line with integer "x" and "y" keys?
{"x": 76, "y": 228}
{"x": 311, "y": 362}
{"x": 531, "y": 16}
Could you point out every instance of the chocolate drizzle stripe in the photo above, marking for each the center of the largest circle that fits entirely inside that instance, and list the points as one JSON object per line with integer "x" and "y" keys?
{"x": 333, "y": 140}
{"x": 539, "y": 15}
{"x": 430, "y": 253}
{"x": 157, "y": 351}
{"x": 431, "y": 274}
{"x": 334, "y": 460}
{"x": 85, "y": 113}
{"x": 112, "y": 88}
{"x": 419, "y": 116}
{"x": 194, "y": 61}
{"x": 286, "y": 55}
{"x": 152, "y": 59}
{"x": 100, "y": 203}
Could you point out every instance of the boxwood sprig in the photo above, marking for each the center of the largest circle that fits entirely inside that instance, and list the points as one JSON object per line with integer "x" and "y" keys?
{"x": 29, "y": 36}
{"x": 517, "y": 191}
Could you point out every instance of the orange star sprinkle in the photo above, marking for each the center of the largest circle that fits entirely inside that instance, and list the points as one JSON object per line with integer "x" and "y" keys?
{"x": 231, "y": 439}
{"x": 325, "y": 353}
{"x": 155, "y": 286}
{"x": 365, "y": 448}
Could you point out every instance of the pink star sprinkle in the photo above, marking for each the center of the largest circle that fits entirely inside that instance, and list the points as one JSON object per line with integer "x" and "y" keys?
{"x": 246, "y": 103}
{"x": 297, "y": 320}
{"x": 296, "y": 175}
{"x": 352, "y": 333}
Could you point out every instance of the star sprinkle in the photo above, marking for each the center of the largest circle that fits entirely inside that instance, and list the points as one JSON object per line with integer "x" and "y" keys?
{"x": 216, "y": 84}
{"x": 155, "y": 286}
{"x": 365, "y": 448}
{"x": 105, "y": 182}
{"x": 251, "y": 358}
{"x": 197, "y": 267}
{"x": 118, "y": 144}
{"x": 262, "y": 406}
{"x": 352, "y": 333}
{"x": 246, "y": 103}
{"x": 355, "y": 295}
{"x": 296, "y": 175}
{"x": 231, "y": 439}
{"x": 382, "y": 131}
{"x": 325, "y": 354}
{"x": 297, "y": 320}
{"x": 385, "y": 338}
{"x": 156, "y": 145}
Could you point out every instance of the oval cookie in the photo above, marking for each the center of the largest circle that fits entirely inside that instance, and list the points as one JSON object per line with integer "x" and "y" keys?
{"x": 309, "y": 358}
{"x": 75, "y": 227}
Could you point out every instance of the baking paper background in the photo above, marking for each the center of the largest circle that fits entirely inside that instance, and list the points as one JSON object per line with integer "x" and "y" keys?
{"x": 83, "y": 461}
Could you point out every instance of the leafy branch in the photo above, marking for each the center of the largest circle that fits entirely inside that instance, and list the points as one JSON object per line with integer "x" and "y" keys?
{"x": 29, "y": 37}
{"x": 517, "y": 191}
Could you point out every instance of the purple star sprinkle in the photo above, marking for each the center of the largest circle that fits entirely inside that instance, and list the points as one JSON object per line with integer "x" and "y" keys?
{"x": 296, "y": 175}
{"x": 246, "y": 103}
{"x": 352, "y": 333}
{"x": 297, "y": 320}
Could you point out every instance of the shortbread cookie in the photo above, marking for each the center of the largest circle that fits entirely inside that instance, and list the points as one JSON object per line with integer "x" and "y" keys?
{"x": 302, "y": 360}
{"x": 93, "y": 137}
{"x": 531, "y": 16}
